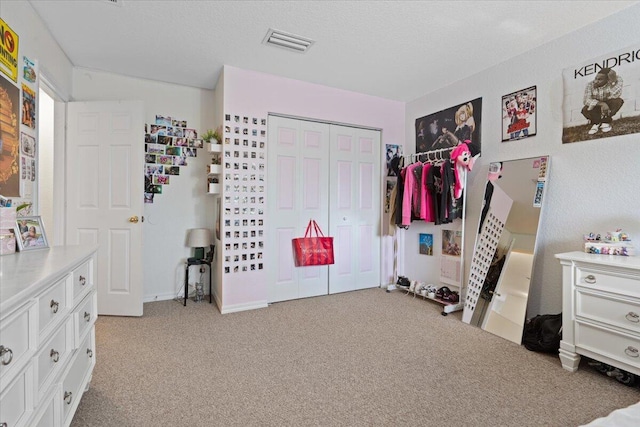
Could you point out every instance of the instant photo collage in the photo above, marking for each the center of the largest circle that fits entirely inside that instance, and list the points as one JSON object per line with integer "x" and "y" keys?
{"x": 168, "y": 145}
{"x": 244, "y": 204}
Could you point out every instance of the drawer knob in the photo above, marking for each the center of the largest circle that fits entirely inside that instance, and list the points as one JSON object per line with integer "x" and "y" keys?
{"x": 89, "y": 353}
{"x": 590, "y": 279}
{"x": 55, "y": 356}
{"x": 82, "y": 280}
{"x": 4, "y": 425}
{"x": 631, "y": 351}
{"x": 67, "y": 397}
{"x": 87, "y": 316}
{"x": 3, "y": 352}
{"x": 54, "y": 306}
{"x": 632, "y": 317}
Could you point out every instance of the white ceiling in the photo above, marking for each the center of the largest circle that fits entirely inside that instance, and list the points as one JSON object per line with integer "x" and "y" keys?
{"x": 398, "y": 50}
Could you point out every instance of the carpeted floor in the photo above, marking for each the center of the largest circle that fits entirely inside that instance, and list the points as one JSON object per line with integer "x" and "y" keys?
{"x": 364, "y": 358}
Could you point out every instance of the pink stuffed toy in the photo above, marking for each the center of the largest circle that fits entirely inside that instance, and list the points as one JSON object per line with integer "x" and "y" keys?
{"x": 461, "y": 159}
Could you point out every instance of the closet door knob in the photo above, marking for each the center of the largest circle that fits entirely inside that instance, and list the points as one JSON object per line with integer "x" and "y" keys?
{"x": 591, "y": 279}
{"x": 631, "y": 351}
{"x": 54, "y": 306}
{"x": 5, "y": 350}
{"x": 55, "y": 356}
{"x": 67, "y": 397}
{"x": 87, "y": 316}
{"x": 89, "y": 353}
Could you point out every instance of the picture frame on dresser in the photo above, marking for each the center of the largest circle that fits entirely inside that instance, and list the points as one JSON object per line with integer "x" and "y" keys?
{"x": 30, "y": 233}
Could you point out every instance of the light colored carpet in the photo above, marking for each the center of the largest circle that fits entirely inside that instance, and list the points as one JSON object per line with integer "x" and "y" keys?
{"x": 364, "y": 358}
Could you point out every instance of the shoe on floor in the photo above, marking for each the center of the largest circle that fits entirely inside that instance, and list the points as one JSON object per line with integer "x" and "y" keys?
{"x": 594, "y": 129}
{"x": 605, "y": 127}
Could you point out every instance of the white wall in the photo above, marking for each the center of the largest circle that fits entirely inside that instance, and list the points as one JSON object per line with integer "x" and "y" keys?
{"x": 593, "y": 185}
{"x": 184, "y": 203}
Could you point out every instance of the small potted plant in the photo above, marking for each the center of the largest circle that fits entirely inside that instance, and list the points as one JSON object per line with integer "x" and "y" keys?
{"x": 213, "y": 137}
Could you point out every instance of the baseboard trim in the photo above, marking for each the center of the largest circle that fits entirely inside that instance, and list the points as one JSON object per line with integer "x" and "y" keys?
{"x": 242, "y": 307}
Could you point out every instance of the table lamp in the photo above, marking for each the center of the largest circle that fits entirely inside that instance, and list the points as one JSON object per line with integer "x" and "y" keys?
{"x": 199, "y": 238}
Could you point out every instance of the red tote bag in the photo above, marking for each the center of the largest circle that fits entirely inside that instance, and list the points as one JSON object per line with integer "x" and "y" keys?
{"x": 309, "y": 250}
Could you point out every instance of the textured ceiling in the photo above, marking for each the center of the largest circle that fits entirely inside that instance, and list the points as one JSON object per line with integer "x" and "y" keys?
{"x": 397, "y": 50}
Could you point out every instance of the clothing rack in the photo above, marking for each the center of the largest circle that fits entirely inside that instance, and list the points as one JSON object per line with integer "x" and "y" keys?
{"x": 437, "y": 157}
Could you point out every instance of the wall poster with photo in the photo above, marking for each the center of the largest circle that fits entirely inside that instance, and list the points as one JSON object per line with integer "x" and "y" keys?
{"x": 599, "y": 98}
{"x": 519, "y": 118}
{"x": 393, "y": 150}
{"x": 30, "y": 233}
{"x": 450, "y": 127}
{"x": 426, "y": 244}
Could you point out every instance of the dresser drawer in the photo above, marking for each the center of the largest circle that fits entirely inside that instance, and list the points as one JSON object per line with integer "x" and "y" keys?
{"x": 16, "y": 403}
{"x": 82, "y": 280}
{"x": 52, "y": 307}
{"x": 617, "y": 346}
{"x": 17, "y": 341}
{"x": 615, "y": 282}
{"x": 607, "y": 309}
{"x": 49, "y": 413}
{"x": 85, "y": 316}
{"x": 53, "y": 355}
{"x": 79, "y": 371}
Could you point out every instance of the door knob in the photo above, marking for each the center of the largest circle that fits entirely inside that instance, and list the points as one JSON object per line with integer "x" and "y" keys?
{"x": 133, "y": 219}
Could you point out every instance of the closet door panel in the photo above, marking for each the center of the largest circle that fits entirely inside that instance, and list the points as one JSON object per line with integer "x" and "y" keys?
{"x": 355, "y": 208}
{"x": 299, "y": 151}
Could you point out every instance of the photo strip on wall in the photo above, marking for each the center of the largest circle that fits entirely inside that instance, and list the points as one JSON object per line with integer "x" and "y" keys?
{"x": 244, "y": 192}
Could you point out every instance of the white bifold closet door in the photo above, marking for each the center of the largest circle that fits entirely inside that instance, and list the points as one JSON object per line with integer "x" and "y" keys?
{"x": 329, "y": 173}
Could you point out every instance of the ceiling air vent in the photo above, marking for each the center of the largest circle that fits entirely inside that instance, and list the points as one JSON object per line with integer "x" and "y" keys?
{"x": 287, "y": 41}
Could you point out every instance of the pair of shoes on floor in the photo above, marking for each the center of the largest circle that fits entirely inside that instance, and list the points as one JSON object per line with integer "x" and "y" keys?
{"x": 604, "y": 127}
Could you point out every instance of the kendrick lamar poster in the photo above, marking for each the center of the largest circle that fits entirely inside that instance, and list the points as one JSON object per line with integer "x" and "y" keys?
{"x": 599, "y": 97}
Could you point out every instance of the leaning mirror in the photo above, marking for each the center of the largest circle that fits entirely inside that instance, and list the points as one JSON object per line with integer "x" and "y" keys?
{"x": 502, "y": 261}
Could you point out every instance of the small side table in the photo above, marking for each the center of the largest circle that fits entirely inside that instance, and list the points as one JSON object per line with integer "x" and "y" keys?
{"x": 190, "y": 262}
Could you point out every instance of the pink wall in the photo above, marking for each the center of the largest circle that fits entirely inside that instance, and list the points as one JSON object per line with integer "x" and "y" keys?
{"x": 257, "y": 94}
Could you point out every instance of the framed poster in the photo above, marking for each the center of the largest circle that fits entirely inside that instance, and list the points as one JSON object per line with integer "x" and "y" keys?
{"x": 450, "y": 127}
{"x": 519, "y": 118}
{"x": 599, "y": 96}
{"x": 9, "y": 142}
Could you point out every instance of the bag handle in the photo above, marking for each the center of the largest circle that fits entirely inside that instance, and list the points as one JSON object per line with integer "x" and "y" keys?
{"x": 309, "y": 231}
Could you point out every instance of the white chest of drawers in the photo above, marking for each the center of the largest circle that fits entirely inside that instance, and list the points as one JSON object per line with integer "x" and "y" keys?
{"x": 600, "y": 310}
{"x": 48, "y": 308}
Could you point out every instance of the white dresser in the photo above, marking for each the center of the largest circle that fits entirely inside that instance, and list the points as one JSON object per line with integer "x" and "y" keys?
{"x": 48, "y": 309}
{"x": 600, "y": 310}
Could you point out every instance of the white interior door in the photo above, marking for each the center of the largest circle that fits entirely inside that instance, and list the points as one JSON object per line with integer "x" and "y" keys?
{"x": 355, "y": 208}
{"x": 298, "y": 176}
{"x": 105, "y": 158}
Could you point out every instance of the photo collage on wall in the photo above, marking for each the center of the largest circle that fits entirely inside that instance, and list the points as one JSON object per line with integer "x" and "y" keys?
{"x": 244, "y": 192}
{"x": 169, "y": 143}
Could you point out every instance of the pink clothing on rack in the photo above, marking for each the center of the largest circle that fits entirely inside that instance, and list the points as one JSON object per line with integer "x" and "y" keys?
{"x": 410, "y": 187}
{"x": 426, "y": 202}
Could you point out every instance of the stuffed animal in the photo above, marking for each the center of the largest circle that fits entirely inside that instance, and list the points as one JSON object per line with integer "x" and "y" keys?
{"x": 462, "y": 159}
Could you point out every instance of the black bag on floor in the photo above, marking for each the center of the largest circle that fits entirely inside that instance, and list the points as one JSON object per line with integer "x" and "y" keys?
{"x": 543, "y": 333}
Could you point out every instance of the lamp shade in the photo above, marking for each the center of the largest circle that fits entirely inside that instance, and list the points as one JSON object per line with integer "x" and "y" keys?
{"x": 199, "y": 237}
